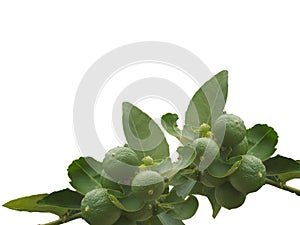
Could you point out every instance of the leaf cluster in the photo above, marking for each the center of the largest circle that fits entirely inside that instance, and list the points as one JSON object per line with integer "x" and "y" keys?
{"x": 184, "y": 178}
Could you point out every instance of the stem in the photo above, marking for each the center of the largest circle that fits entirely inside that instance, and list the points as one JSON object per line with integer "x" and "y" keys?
{"x": 283, "y": 186}
{"x": 64, "y": 219}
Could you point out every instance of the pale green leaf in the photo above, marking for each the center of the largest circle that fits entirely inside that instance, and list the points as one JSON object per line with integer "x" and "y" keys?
{"x": 142, "y": 134}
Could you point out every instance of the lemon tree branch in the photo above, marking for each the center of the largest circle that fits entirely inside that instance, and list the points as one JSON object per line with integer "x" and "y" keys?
{"x": 283, "y": 186}
{"x": 65, "y": 219}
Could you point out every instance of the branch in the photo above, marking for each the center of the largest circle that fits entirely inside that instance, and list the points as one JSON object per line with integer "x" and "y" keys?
{"x": 283, "y": 186}
{"x": 64, "y": 219}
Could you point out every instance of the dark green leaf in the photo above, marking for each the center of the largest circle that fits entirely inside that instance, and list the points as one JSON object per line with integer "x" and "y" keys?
{"x": 64, "y": 198}
{"x": 184, "y": 210}
{"x": 221, "y": 169}
{"x": 29, "y": 204}
{"x": 167, "y": 220}
{"x": 284, "y": 168}
{"x": 199, "y": 189}
{"x": 208, "y": 102}
{"x": 214, "y": 204}
{"x": 152, "y": 221}
{"x": 85, "y": 174}
{"x": 262, "y": 140}
{"x": 128, "y": 204}
{"x": 143, "y": 134}
{"x": 172, "y": 197}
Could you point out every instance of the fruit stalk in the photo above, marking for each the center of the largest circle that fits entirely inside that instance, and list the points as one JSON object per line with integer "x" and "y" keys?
{"x": 64, "y": 219}
{"x": 283, "y": 186}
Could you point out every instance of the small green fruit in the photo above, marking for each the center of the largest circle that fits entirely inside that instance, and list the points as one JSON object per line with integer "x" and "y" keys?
{"x": 250, "y": 176}
{"x": 120, "y": 164}
{"x": 228, "y": 197}
{"x": 240, "y": 149}
{"x": 207, "y": 151}
{"x": 229, "y": 130}
{"x": 148, "y": 185}
{"x": 97, "y": 209}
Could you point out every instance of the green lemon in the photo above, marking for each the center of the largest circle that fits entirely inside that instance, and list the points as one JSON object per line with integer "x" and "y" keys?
{"x": 240, "y": 149}
{"x": 210, "y": 181}
{"x": 125, "y": 221}
{"x": 97, "y": 209}
{"x": 250, "y": 175}
{"x": 148, "y": 185}
{"x": 229, "y": 129}
{"x": 228, "y": 197}
{"x": 144, "y": 214}
{"x": 120, "y": 164}
{"x": 207, "y": 150}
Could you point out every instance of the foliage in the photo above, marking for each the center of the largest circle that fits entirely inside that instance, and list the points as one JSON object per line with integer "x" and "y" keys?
{"x": 206, "y": 165}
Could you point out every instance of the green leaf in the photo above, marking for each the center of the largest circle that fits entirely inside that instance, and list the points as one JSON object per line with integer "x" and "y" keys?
{"x": 186, "y": 158}
{"x": 208, "y": 102}
{"x": 169, "y": 123}
{"x": 154, "y": 220}
{"x": 127, "y": 204}
{"x": 214, "y": 204}
{"x": 200, "y": 189}
{"x": 283, "y": 168}
{"x": 143, "y": 134}
{"x": 64, "y": 198}
{"x": 85, "y": 174}
{"x": 184, "y": 210}
{"x": 185, "y": 189}
{"x": 172, "y": 197}
{"x": 221, "y": 169}
{"x": 165, "y": 219}
{"x": 29, "y": 204}
{"x": 262, "y": 140}
{"x": 179, "y": 178}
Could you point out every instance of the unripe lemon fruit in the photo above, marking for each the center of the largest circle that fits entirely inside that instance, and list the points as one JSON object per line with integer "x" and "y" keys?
{"x": 120, "y": 164}
{"x": 228, "y": 197}
{"x": 97, "y": 208}
{"x": 250, "y": 175}
{"x": 229, "y": 129}
{"x": 148, "y": 185}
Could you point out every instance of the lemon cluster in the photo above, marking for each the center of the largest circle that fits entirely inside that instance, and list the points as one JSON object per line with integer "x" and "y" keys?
{"x": 224, "y": 147}
{"x": 125, "y": 174}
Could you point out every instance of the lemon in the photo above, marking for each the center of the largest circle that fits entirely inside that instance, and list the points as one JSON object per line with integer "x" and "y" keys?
{"x": 207, "y": 149}
{"x": 144, "y": 214}
{"x": 240, "y": 149}
{"x": 148, "y": 185}
{"x": 120, "y": 164}
{"x": 249, "y": 176}
{"x": 228, "y": 197}
{"x": 97, "y": 209}
{"x": 229, "y": 129}
{"x": 125, "y": 221}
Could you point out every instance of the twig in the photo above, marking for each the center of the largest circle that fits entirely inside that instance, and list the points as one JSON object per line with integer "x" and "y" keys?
{"x": 64, "y": 219}
{"x": 283, "y": 186}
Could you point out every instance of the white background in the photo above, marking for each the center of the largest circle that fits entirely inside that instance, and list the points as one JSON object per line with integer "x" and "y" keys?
{"x": 47, "y": 46}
